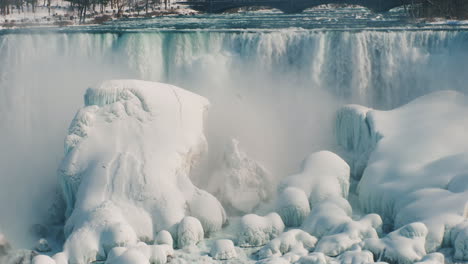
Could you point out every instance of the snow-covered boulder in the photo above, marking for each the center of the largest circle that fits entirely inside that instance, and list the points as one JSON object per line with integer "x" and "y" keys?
{"x": 288, "y": 242}
{"x": 418, "y": 166}
{"x": 293, "y": 206}
{"x": 223, "y": 249}
{"x": 324, "y": 175}
{"x": 326, "y": 216}
{"x": 241, "y": 183}
{"x": 159, "y": 254}
{"x": 356, "y": 256}
{"x": 433, "y": 258}
{"x": 131, "y": 256}
{"x": 344, "y": 236}
{"x": 114, "y": 253}
{"x": 43, "y": 259}
{"x": 257, "y": 230}
{"x": 125, "y": 173}
{"x": 313, "y": 258}
{"x": 189, "y": 232}
{"x": 404, "y": 246}
{"x": 60, "y": 258}
{"x": 164, "y": 238}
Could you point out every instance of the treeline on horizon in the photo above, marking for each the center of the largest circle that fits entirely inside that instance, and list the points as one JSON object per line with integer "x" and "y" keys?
{"x": 450, "y": 9}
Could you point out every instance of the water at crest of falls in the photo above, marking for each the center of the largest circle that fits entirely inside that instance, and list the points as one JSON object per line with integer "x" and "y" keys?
{"x": 274, "y": 81}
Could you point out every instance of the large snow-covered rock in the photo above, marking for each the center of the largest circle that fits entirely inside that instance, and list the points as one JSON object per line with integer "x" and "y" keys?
{"x": 241, "y": 183}
{"x": 418, "y": 167}
{"x": 189, "y": 232}
{"x": 43, "y": 259}
{"x": 293, "y": 206}
{"x": 223, "y": 249}
{"x": 257, "y": 230}
{"x": 324, "y": 175}
{"x": 404, "y": 245}
{"x": 288, "y": 242}
{"x": 125, "y": 173}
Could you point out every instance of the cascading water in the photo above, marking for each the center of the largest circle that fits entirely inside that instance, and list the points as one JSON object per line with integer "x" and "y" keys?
{"x": 276, "y": 90}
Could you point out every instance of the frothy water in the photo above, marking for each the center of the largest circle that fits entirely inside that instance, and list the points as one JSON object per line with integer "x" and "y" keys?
{"x": 274, "y": 81}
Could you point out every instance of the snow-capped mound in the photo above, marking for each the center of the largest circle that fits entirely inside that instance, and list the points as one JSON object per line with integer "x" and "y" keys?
{"x": 245, "y": 183}
{"x": 293, "y": 206}
{"x": 189, "y": 232}
{"x": 356, "y": 256}
{"x": 459, "y": 240}
{"x": 313, "y": 258}
{"x": 418, "y": 169}
{"x": 288, "y": 242}
{"x": 125, "y": 173}
{"x": 433, "y": 258}
{"x": 164, "y": 238}
{"x": 223, "y": 249}
{"x": 405, "y": 245}
{"x": 257, "y": 230}
{"x": 43, "y": 259}
{"x": 324, "y": 175}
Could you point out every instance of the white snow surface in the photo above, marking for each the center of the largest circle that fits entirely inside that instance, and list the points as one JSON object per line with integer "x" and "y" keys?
{"x": 324, "y": 175}
{"x": 125, "y": 173}
{"x": 418, "y": 169}
{"x": 245, "y": 183}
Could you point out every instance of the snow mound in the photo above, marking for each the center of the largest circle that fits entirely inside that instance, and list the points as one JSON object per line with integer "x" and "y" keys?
{"x": 159, "y": 254}
{"x": 131, "y": 256}
{"x": 245, "y": 183}
{"x": 459, "y": 241}
{"x": 257, "y": 230}
{"x": 189, "y": 232}
{"x": 327, "y": 216}
{"x": 164, "y": 238}
{"x": 418, "y": 169}
{"x": 124, "y": 176}
{"x": 356, "y": 256}
{"x": 292, "y": 241}
{"x": 324, "y": 175}
{"x": 433, "y": 258}
{"x": 43, "y": 259}
{"x": 293, "y": 206}
{"x": 313, "y": 258}
{"x": 223, "y": 249}
{"x": 405, "y": 245}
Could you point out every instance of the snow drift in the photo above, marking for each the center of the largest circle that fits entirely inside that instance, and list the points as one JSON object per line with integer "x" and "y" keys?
{"x": 418, "y": 168}
{"x": 124, "y": 177}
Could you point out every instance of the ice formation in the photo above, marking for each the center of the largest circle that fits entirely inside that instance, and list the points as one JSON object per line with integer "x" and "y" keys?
{"x": 324, "y": 175}
{"x": 293, "y": 206}
{"x": 125, "y": 173}
{"x": 404, "y": 245}
{"x": 43, "y": 259}
{"x": 356, "y": 256}
{"x": 313, "y": 258}
{"x": 291, "y": 241}
{"x": 223, "y": 249}
{"x": 257, "y": 230}
{"x": 189, "y": 232}
{"x": 433, "y": 258}
{"x": 241, "y": 183}
{"x": 164, "y": 238}
{"x": 418, "y": 169}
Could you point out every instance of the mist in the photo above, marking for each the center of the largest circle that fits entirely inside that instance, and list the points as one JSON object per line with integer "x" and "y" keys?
{"x": 275, "y": 92}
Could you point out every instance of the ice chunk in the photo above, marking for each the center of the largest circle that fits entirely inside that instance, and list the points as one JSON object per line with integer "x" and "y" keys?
{"x": 131, "y": 256}
{"x": 245, "y": 183}
{"x": 164, "y": 237}
{"x": 418, "y": 167}
{"x": 356, "y": 256}
{"x": 114, "y": 253}
{"x": 433, "y": 258}
{"x": 159, "y": 253}
{"x": 344, "y": 236}
{"x": 258, "y": 230}
{"x": 324, "y": 175}
{"x": 459, "y": 241}
{"x": 60, "y": 258}
{"x": 291, "y": 241}
{"x": 293, "y": 206}
{"x": 43, "y": 259}
{"x": 223, "y": 249}
{"x": 404, "y": 245}
{"x": 125, "y": 173}
{"x": 313, "y": 258}
{"x": 189, "y": 232}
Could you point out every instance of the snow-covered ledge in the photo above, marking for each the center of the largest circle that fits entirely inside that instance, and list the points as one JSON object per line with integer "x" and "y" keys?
{"x": 125, "y": 173}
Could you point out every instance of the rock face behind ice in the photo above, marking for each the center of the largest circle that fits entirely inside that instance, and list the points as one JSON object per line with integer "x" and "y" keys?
{"x": 418, "y": 168}
{"x": 125, "y": 173}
